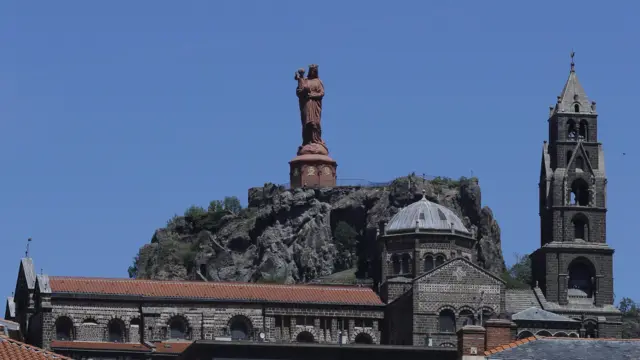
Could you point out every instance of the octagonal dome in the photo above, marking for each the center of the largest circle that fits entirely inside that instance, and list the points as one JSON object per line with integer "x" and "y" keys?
{"x": 428, "y": 215}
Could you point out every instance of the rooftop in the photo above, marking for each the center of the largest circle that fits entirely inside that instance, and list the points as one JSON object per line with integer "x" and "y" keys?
{"x": 212, "y": 291}
{"x": 425, "y": 215}
{"x": 566, "y": 349}
{"x": 13, "y": 349}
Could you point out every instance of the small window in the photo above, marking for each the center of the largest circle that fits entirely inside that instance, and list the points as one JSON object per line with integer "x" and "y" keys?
{"x": 358, "y": 323}
{"x": 177, "y": 329}
{"x": 441, "y": 215}
{"x": 286, "y": 321}
{"x": 278, "y": 321}
{"x": 116, "y": 331}
{"x": 64, "y": 329}
{"x": 579, "y": 163}
{"x": 406, "y": 261}
{"x": 576, "y": 108}
{"x": 428, "y": 263}
{"x": 421, "y": 216}
{"x": 439, "y": 260}
{"x": 447, "y": 321}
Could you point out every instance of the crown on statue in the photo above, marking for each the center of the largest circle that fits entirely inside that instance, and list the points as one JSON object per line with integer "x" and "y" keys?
{"x": 313, "y": 66}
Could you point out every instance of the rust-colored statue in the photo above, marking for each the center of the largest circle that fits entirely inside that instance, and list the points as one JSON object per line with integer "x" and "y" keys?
{"x": 310, "y": 92}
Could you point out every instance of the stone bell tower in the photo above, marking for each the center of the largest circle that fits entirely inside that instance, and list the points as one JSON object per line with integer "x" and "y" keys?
{"x": 312, "y": 167}
{"x": 574, "y": 265}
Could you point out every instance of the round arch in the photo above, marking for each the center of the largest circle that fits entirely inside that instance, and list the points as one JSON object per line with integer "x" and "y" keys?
{"x": 560, "y": 334}
{"x": 240, "y": 327}
{"x": 580, "y": 224}
{"x": 582, "y": 273}
{"x": 178, "y": 327}
{"x": 363, "y": 338}
{"x": 65, "y": 330}
{"x": 579, "y": 192}
{"x": 305, "y": 337}
{"x": 524, "y": 334}
{"x": 116, "y": 330}
{"x": 543, "y": 333}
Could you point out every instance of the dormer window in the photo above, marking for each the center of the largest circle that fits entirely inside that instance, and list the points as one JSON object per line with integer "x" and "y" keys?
{"x": 576, "y": 108}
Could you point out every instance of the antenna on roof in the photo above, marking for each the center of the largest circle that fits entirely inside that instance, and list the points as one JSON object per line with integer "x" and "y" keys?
{"x": 26, "y": 253}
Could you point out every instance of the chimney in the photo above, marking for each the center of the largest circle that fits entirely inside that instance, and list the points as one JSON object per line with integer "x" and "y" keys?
{"x": 499, "y": 332}
{"x": 471, "y": 342}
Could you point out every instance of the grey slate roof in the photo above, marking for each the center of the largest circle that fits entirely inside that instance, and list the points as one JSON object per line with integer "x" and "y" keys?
{"x": 536, "y": 314}
{"x": 571, "y": 349}
{"x": 10, "y": 311}
{"x": 428, "y": 215}
{"x": 29, "y": 272}
{"x": 573, "y": 93}
{"x": 518, "y": 300}
{"x": 43, "y": 284}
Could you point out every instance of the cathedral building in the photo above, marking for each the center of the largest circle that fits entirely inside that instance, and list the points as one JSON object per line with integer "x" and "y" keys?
{"x": 432, "y": 292}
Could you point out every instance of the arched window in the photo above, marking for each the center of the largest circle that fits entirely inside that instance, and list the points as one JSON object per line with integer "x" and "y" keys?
{"x": 543, "y": 333}
{"x": 583, "y": 133}
{"x": 305, "y": 337}
{"x": 579, "y": 163}
{"x": 467, "y": 317}
{"x": 447, "y": 321}
{"x": 572, "y": 131}
{"x": 363, "y": 338}
{"x": 178, "y": 328}
{"x": 240, "y": 327}
{"x": 524, "y": 334}
{"x": 64, "y": 329}
{"x": 573, "y": 335}
{"x": 576, "y": 108}
{"x": 580, "y": 227}
{"x": 590, "y": 330}
{"x": 441, "y": 215}
{"x": 439, "y": 260}
{"x": 569, "y": 155}
{"x": 395, "y": 260}
{"x": 406, "y": 261}
{"x": 581, "y": 275}
{"x": 428, "y": 263}
{"x": 116, "y": 330}
{"x": 579, "y": 193}
{"x": 560, "y": 334}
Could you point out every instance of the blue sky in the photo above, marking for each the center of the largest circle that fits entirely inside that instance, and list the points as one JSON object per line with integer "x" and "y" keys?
{"x": 116, "y": 115}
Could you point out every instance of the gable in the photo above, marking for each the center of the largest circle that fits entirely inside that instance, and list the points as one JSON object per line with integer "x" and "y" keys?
{"x": 580, "y": 151}
{"x": 459, "y": 271}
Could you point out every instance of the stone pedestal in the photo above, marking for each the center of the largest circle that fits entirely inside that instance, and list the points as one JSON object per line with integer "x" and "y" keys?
{"x": 312, "y": 170}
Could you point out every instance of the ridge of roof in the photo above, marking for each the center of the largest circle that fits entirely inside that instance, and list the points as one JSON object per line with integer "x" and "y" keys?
{"x": 209, "y": 283}
{"x": 25, "y": 350}
{"x": 215, "y": 291}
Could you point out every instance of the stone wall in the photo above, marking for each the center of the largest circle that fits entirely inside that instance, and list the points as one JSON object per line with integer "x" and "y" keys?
{"x": 208, "y": 321}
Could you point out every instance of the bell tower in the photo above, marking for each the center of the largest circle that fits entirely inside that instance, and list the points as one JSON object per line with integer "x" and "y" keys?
{"x": 574, "y": 265}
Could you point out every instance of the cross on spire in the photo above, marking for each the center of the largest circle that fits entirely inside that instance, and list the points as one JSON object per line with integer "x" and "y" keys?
{"x": 573, "y": 64}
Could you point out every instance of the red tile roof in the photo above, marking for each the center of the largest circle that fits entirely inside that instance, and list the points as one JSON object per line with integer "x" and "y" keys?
{"x": 249, "y": 292}
{"x": 98, "y": 345}
{"x": 15, "y": 350}
{"x": 172, "y": 347}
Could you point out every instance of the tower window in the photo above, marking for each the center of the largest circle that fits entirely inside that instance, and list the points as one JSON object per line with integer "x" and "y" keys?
{"x": 406, "y": 259}
{"x": 580, "y": 227}
{"x": 584, "y": 130}
{"x": 579, "y": 163}
{"x": 428, "y": 263}
{"x": 572, "y": 131}
{"x": 581, "y": 275}
{"x": 576, "y": 108}
{"x": 579, "y": 193}
{"x": 395, "y": 259}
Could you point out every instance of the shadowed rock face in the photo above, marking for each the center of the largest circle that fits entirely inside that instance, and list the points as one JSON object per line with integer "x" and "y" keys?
{"x": 288, "y": 235}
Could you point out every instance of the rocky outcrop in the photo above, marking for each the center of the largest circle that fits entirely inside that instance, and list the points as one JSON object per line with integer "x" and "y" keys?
{"x": 292, "y": 235}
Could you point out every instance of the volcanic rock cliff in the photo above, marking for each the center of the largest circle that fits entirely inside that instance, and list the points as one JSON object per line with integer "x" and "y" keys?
{"x": 304, "y": 235}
